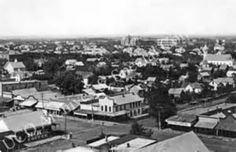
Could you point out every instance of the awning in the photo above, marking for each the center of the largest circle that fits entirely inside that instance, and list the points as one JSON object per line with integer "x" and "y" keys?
{"x": 80, "y": 114}
{"x": 100, "y": 113}
{"x": 111, "y": 114}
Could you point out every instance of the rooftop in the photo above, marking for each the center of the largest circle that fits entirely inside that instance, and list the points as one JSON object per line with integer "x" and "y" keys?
{"x": 133, "y": 145}
{"x": 188, "y": 142}
{"x": 218, "y": 57}
{"x": 103, "y": 141}
{"x": 126, "y": 98}
{"x": 16, "y": 64}
{"x": 23, "y": 121}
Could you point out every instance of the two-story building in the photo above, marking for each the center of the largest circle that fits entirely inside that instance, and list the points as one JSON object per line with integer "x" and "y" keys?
{"x": 130, "y": 104}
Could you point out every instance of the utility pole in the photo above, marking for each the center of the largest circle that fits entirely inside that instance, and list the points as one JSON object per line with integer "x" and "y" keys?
{"x": 42, "y": 100}
{"x": 159, "y": 119}
{"x": 65, "y": 121}
{"x": 92, "y": 112}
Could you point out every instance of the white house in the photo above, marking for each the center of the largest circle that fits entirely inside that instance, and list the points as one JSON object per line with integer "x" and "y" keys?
{"x": 194, "y": 87}
{"x": 218, "y": 59}
{"x": 224, "y": 81}
{"x": 231, "y": 73}
{"x": 15, "y": 66}
{"x": 130, "y": 104}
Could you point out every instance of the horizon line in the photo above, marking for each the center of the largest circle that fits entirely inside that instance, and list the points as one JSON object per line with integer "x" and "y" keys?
{"x": 108, "y": 36}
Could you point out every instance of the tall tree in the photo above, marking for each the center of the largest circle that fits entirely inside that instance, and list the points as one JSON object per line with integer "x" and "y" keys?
{"x": 70, "y": 83}
{"x": 160, "y": 104}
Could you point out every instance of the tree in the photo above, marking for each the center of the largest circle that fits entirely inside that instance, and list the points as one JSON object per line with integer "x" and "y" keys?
{"x": 160, "y": 104}
{"x": 231, "y": 99}
{"x": 52, "y": 66}
{"x": 70, "y": 83}
{"x": 138, "y": 129}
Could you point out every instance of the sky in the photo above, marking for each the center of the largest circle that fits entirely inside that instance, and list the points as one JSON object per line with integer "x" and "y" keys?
{"x": 45, "y": 18}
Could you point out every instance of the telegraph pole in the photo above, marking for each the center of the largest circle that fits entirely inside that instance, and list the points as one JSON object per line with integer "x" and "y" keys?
{"x": 159, "y": 119}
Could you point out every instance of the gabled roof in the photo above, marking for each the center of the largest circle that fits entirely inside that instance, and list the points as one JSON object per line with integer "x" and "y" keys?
{"x": 224, "y": 80}
{"x": 52, "y": 105}
{"x": 218, "y": 57}
{"x": 228, "y": 124}
{"x": 188, "y": 142}
{"x": 24, "y": 92}
{"x": 196, "y": 85}
{"x": 175, "y": 91}
{"x": 182, "y": 118}
{"x": 151, "y": 79}
{"x": 84, "y": 74}
{"x": 126, "y": 98}
{"x": 16, "y": 64}
{"x": 23, "y": 121}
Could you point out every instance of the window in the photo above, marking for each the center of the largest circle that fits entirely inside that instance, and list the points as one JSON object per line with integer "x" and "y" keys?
{"x": 138, "y": 111}
{"x": 102, "y": 108}
{"x": 109, "y": 109}
{"x": 105, "y": 108}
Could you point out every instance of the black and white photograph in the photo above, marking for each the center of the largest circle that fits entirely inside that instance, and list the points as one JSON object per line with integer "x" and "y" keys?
{"x": 117, "y": 76}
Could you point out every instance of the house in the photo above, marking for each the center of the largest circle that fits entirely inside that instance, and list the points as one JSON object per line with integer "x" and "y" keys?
{"x": 206, "y": 124}
{"x": 73, "y": 62}
{"x": 4, "y": 55}
{"x": 129, "y": 104}
{"x": 92, "y": 59}
{"x": 52, "y": 107}
{"x": 194, "y": 87}
{"x": 23, "y": 128}
{"x": 167, "y": 43}
{"x": 215, "y": 83}
{"x": 180, "y": 50}
{"x": 100, "y": 87}
{"x": 137, "y": 89}
{"x": 140, "y": 52}
{"x": 150, "y": 81}
{"x": 188, "y": 142}
{"x": 85, "y": 75}
{"x": 9, "y": 86}
{"x": 218, "y": 59}
{"x": 231, "y": 73}
{"x": 15, "y": 66}
{"x": 167, "y": 67}
{"x": 226, "y": 126}
{"x": 223, "y": 67}
{"x": 182, "y": 122}
{"x": 176, "y": 92}
{"x": 163, "y": 60}
{"x": 204, "y": 74}
{"x": 141, "y": 62}
{"x": 183, "y": 65}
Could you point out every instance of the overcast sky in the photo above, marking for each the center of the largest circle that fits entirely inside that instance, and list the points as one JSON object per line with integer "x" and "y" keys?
{"x": 116, "y": 17}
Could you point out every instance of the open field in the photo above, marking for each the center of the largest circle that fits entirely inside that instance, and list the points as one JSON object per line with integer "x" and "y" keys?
{"x": 81, "y": 132}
